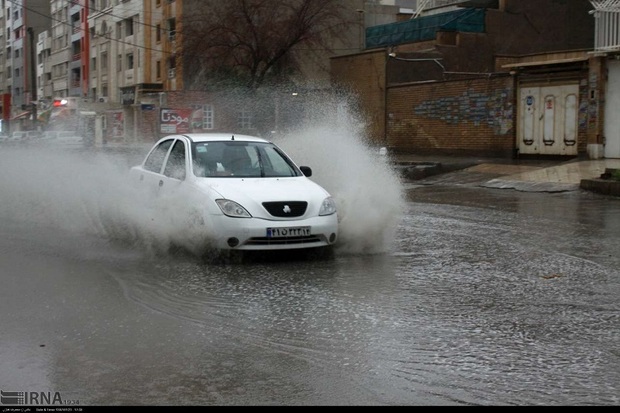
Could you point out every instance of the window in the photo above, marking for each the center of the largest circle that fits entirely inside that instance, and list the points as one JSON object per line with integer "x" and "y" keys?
{"x": 158, "y": 33}
{"x": 129, "y": 27}
{"x": 104, "y": 61}
{"x": 244, "y": 119}
{"x": 155, "y": 160}
{"x": 129, "y": 61}
{"x": 215, "y": 159}
{"x": 158, "y": 69}
{"x": 207, "y": 117}
{"x": 175, "y": 167}
{"x": 172, "y": 30}
{"x": 172, "y": 64}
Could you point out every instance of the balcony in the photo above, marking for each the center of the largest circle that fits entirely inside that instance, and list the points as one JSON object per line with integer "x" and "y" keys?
{"x": 607, "y": 20}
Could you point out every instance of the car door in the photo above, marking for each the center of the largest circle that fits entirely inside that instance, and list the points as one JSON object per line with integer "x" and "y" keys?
{"x": 183, "y": 203}
{"x": 151, "y": 174}
{"x": 175, "y": 167}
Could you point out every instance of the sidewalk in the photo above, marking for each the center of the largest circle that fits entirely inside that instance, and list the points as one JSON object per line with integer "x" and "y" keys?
{"x": 563, "y": 177}
{"x": 518, "y": 174}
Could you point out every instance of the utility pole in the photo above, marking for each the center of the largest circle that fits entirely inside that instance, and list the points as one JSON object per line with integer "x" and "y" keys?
{"x": 33, "y": 78}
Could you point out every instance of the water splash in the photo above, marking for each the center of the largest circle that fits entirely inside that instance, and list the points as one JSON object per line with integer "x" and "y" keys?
{"x": 90, "y": 192}
{"x": 367, "y": 190}
{"x": 78, "y": 191}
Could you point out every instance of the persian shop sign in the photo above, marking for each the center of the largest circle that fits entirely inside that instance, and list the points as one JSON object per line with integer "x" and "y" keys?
{"x": 174, "y": 121}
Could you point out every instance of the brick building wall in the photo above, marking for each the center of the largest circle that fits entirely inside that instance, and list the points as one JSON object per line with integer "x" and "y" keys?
{"x": 458, "y": 96}
{"x": 475, "y": 116}
{"x": 364, "y": 76}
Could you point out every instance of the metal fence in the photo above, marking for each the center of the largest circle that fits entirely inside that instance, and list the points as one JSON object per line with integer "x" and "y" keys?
{"x": 607, "y": 15}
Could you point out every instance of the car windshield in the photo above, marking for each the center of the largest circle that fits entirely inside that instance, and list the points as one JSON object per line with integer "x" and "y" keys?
{"x": 241, "y": 159}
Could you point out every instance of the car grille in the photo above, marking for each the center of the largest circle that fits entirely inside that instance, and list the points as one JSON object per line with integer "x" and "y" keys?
{"x": 290, "y": 209}
{"x": 311, "y": 239}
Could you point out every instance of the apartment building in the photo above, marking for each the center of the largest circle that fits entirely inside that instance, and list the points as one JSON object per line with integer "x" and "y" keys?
{"x": 120, "y": 62}
{"x": 5, "y": 106}
{"x": 23, "y": 21}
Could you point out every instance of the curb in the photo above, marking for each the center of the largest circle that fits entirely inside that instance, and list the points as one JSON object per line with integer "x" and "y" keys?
{"x": 601, "y": 186}
{"x": 524, "y": 186}
{"x": 604, "y": 185}
{"x": 413, "y": 170}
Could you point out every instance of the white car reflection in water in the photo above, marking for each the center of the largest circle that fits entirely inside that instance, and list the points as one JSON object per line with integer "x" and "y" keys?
{"x": 248, "y": 193}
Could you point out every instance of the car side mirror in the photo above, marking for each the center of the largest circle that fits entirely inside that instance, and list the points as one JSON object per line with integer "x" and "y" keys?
{"x": 306, "y": 170}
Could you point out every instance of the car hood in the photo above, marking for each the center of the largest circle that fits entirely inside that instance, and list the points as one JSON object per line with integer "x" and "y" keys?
{"x": 252, "y": 192}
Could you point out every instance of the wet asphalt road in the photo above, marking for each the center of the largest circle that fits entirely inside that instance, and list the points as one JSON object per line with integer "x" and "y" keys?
{"x": 484, "y": 297}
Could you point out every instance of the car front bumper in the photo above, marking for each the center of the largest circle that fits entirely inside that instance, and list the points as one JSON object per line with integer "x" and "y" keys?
{"x": 252, "y": 234}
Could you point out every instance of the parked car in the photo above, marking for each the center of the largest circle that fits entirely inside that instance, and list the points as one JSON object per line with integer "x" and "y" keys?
{"x": 24, "y": 136}
{"x": 62, "y": 138}
{"x": 249, "y": 194}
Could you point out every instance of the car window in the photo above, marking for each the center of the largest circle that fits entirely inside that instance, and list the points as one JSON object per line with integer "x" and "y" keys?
{"x": 175, "y": 167}
{"x": 155, "y": 160}
{"x": 241, "y": 159}
{"x": 276, "y": 163}
{"x": 207, "y": 158}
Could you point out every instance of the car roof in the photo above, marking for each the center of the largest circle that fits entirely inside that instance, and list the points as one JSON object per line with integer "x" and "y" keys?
{"x": 209, "y": 137}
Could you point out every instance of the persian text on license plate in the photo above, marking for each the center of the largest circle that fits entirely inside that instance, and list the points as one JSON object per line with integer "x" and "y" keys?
{"x": 288, "y": 232}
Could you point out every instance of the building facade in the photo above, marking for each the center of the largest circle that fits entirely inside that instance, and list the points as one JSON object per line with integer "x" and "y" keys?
{"x": 485, "y": 78}
{"x": 23, "y": 21}
{"x": 117, "y": 65}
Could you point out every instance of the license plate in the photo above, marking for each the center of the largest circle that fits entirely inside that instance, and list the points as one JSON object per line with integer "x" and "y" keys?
{"x": 288, "y": 232}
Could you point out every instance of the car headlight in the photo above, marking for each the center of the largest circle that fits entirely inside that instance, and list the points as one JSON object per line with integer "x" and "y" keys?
{"x": 232, "y": 209}
{"x": 328, "y": 207}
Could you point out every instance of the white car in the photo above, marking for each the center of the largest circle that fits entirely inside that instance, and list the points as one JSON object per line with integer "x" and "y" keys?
{"x": 62, "y": 138}
{"x": 23, "y": 136}
{"x": 249, "y": 194}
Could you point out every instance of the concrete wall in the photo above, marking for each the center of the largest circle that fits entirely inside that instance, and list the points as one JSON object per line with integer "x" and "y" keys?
{"x": 535, "y": 26}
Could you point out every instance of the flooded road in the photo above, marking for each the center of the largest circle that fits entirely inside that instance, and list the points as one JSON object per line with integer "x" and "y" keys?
{"x": 480, "y": 297}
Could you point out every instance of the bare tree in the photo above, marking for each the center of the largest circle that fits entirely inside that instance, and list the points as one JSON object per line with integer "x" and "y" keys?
{"x": 251, "y": 43}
